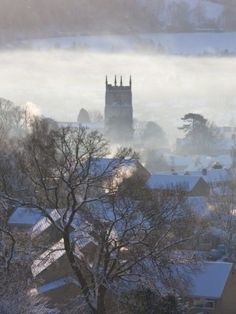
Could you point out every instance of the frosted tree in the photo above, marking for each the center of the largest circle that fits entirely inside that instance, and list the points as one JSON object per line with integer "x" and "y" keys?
{"x": 68, "y": 170}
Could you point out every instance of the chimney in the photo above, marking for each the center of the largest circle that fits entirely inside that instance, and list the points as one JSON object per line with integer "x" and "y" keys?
{"x": 204, "y": 172}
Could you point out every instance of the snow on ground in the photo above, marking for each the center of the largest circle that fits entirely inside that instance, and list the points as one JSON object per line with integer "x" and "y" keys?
{"x": 201, "y": 43}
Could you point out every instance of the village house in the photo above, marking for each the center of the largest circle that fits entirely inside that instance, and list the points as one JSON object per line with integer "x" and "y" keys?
{"x": 213, "y": 289}
{"x": 53, "y": 274}
{"x": 188, "y": 163}
{"x": 24, "y": 218}
{"x": 117, "y": 169}
{"x": 193, "y": 185}
{"x": 59, "y": 293}
{"x": 214, "y": 176}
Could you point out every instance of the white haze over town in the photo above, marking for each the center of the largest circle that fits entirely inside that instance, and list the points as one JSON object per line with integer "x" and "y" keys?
{"x": 165, "y": 87}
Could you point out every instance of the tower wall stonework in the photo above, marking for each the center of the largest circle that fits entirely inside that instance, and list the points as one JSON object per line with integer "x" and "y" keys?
{"x": 119, "y": 110}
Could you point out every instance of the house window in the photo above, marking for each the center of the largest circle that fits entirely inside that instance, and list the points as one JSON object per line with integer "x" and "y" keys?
{"x": 210, "y": 304}
{"x": 204, "y": 303}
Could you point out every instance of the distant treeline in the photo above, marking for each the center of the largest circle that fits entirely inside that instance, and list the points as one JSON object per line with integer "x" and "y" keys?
{"x": 37, "y": 18}
{"x": 20, "y": 18}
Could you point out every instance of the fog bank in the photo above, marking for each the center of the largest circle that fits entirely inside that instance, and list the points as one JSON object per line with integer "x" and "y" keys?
{"x": 60, "y": 82}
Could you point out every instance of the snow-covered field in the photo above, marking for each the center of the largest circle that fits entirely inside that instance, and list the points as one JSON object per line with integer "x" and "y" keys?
{"x": 202, "y": 43}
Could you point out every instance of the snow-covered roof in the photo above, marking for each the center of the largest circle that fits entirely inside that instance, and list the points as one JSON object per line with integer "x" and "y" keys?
{"x": 206, "y": 162}
{"x": 122, "y": 214}
{"x": 53, "y": 285}
{"x": 81, "y": 227}
{"x": 48, "y": 257}
{"x": 44, "y": 223}
{"x": 80, "y": 236}
{"x": 25, "y": 216}
{"x": 214, "y": 175}
{"x": 76, "y": 125}
{"x": 158, "y": 181}
{"x": 200, "y": 162}
{"x": 211, "y": 175}
{"x": 108, "y": 166}
{"x": 210, "y": 281}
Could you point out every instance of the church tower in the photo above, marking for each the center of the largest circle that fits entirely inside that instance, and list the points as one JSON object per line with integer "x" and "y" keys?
{"x": 119, "y": 111}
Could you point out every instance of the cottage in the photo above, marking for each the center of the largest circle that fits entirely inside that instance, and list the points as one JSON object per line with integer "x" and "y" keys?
{"x": 214, "y": 177}
{"x": 213, "y": 289}
{"x": 23, "y": 218}
{"x": 193, "y": 185}
{"x": 116, "y": 167}
{"x": 59, "y": 292}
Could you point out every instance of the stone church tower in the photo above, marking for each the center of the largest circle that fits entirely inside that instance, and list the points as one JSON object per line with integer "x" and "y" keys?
{"x": 119, "y": 111}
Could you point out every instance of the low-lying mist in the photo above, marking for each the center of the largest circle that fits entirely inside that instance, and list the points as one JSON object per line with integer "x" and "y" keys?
{"x": 60, "y": 82}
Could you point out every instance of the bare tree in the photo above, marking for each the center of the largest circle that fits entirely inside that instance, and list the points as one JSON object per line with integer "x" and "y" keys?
{"x": 13, "y": 121}
{"x": 134, "y": 230}
{"x": 68, "y": 170}
{"x": 15, "y": 286}
{"x": 224, "y": 216}
{"x": 15, "y": 274}
{"x": 16, "y": 279}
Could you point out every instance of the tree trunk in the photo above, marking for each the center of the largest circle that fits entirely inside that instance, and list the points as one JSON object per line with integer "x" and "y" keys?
{"x": 78, "y": 272}
{"x": 101, "y": 300}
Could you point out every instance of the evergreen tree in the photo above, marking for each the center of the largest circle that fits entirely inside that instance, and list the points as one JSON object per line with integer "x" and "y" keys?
{"x": 200, "y": 136}
{"x": 83, "y": 116}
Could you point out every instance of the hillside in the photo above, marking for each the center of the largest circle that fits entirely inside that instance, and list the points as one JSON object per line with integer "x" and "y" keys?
{"x": 43, "y": 18}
